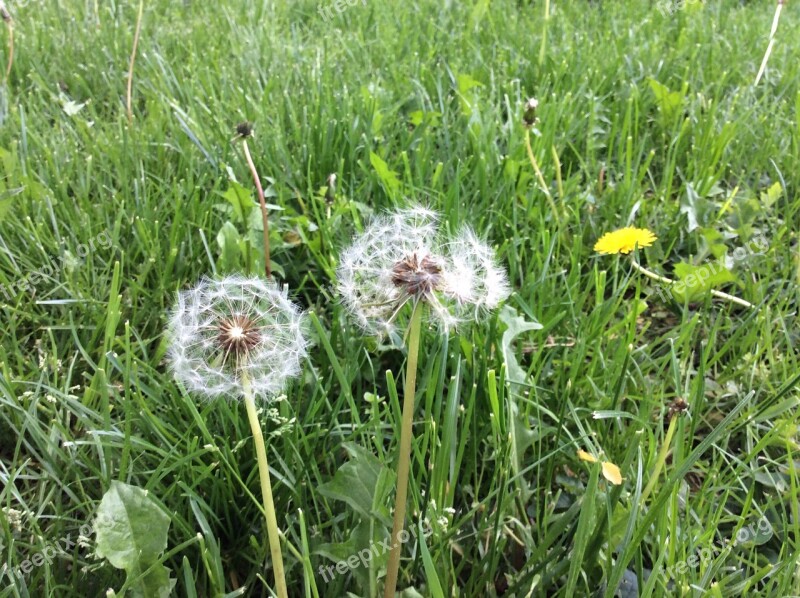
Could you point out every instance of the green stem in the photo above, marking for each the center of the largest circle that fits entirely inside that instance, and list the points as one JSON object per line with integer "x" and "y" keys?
{"x": 409, "y": 391}
{"x": 538, "y": 171}
{"x": 543, "y": 47}
{"x": 266, "y": 491}
{"x": 661, "y": 459}
{"x": 129, "y": 98}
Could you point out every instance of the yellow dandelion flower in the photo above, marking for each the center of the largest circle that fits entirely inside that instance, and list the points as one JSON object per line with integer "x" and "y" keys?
{"x": 610, "y": 471}
{"x": 624, "y": 240}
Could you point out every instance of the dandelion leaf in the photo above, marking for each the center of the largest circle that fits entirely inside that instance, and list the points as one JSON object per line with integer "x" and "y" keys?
{"x": 515, "y": 325}
{"x": 694, "y": 282}
{"x": 363, "y": 483}
{"x": 131, "y": 531}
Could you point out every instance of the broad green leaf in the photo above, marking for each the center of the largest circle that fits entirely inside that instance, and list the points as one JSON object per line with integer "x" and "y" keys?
{"x": 228, "y": 239}
{"x": 715, "y": 242}
{"x": 466, "y": 82}
{"x": 156, "y": 584}
{"x": 694, "y": 282}
{"x": 364, "y": 552}
{"x": 131, "y": 531}
{"x": 419, "y": 117}
{"x": 466, "y": 97}
{"x": 387, "y": 176}
{"x": 771, "y": 195}
{"x": 362, "y": 482}
{"x": 241, "y": 199}
{"x": 515, "y": 325}
{"x": 669, "y": 102}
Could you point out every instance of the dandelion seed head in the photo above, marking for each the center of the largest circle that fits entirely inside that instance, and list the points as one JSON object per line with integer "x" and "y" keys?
{"x": 225, "y": 331}
{"x": 402, "y": 257}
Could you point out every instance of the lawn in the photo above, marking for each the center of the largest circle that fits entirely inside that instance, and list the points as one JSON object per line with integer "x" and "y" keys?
{"x": 600, "y": 432}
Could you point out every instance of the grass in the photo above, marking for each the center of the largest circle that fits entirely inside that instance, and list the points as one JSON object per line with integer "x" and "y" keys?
{"x": 436, "y": 94}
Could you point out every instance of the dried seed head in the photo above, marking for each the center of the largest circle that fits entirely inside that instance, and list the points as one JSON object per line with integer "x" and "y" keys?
{"x": 244, "y": 130}
{"x": 678, "y": 407}
{"x": 401, "y": 257}
{"x": 529, "y": 117}
{"x": 238, "y": 335}
{"x": 417, "y": 277}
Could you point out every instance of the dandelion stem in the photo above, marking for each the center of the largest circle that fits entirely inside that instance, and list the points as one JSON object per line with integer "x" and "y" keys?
{"x": 661, "y": 459}
{"x": 409, "y": 391}
{"x": 670, "y": 282}
{"x": 538, "y": 172}
{"x": 264, "y": 216}
{"x": 266, "y": 490}
{"x": 133, "y": 62}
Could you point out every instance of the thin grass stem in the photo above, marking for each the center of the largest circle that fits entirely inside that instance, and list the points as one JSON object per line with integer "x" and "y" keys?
{"x": 539, "y": 176}
{"x": 129, "y": 98}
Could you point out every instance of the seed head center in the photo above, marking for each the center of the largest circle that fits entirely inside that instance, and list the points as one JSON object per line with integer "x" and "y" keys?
{"x": 238, "y": 335}
{"x": 417, "y": 275}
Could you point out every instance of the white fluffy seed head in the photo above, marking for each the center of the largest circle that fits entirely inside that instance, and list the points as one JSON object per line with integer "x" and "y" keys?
{"x": 222, "y": 331}
{"x": 402, "y": 257}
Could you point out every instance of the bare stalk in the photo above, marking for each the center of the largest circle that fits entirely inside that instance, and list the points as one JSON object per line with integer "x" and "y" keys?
{"x": 669, "y": 281}
{"x": 263, "y": 203}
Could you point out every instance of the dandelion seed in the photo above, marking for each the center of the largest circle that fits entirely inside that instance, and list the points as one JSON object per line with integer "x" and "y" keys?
{"x": 225, "y": 330}
{"x": 402, "y": 258}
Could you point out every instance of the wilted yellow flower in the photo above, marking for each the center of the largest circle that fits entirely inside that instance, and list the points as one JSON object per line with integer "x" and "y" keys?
{"x": 610, "y": 471}
{"x": 624, "y": 240}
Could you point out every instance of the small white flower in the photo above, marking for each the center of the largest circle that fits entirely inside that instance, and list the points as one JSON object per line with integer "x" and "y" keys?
{"x": 14, "y": 518}
{"x": 402, "y": 257}
{"x": 231, "y": 332}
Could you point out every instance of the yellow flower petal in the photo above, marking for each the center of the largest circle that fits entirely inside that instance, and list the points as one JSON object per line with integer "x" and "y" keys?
{"x": 624, "y": 240}
{"x": 584, "y": 456}
{"x": 612, "y": 473}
